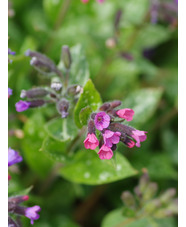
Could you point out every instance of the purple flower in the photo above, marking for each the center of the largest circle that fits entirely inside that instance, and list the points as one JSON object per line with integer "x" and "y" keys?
{"x": 11, "y": 52}
{"x": 13, "y": 157}
{"x": 139, "y": 136}
{"x": 22, "y": 106}
{"x": 105, "y": 152}
{"x": 9, "y": 92}
{"x": 101, "y": 120}
{"x": 31, "y": 212}
{"x": 111, "y": 138}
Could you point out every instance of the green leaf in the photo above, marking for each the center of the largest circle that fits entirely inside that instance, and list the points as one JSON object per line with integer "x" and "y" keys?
{"x": 84, "y": 115}
{"x": 34, "y": 135}
{"x": 79, "y": 70}
{"x": 55, "y": 149}
{"x": 61, "y": 129}
{"x": 87, "y": 168}
{"x": 117, "y": 219}
{"x": 89, "y": 98}
{"x": 144, "y": 103}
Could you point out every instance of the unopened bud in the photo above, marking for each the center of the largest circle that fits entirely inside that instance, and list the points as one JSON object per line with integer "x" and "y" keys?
{"x": 143, "y": 182}
{"x": 36, "y": 103}
{"x": 150, "y": 191}
{"x": 66, "y": 56}
{"x": 115, "y": 104}
{"x": 62, "y": 107}
{"x": 56, "y": 84}
{"x": 127, "y": 56}
{"x": 91, "y": 127}
{"x": 74, "y": 90}
{"x": 117, "y": 19}
{"x": 128, "y": 199}
{"x": 152, "y": 206}
{"x": 168, "y": 195}
{"x": 41, "y": 62}
{"x": 34, "y": 93}
{"x": 105, "y": 106}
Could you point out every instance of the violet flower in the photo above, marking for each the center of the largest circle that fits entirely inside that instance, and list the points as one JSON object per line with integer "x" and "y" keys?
{"x": 31, "y": 212}
{"x": 9, "y": 92}
{"x": 22, "y": 106}
{"x": 101, "y": 120}
{"x": 13, "y": 157}
{"x": 111, "y": 138}
{"x": 91, "y": 142}
{"x": 105, "y": 152}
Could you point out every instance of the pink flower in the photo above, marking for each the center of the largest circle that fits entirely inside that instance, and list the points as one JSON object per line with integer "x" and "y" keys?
{"x": 126, "y": 113}
{"x": 130, "y": 143}
{"x": 105, "y": 152}
{"x": 111, "y": 138}
{"x": 91, "y": 142}
{"x": 31, "y": 212}
{"x": 100, "y": 1}
{"x": 139, "y": 136}
{"x": 101, "y": 120}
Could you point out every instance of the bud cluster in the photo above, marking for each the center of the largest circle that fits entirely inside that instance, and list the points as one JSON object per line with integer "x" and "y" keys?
{"x": 145, "y": 203}
{"x": 14, "y": 201}
{"x": 111, "y": 131}
{"x": 58, "y": 94}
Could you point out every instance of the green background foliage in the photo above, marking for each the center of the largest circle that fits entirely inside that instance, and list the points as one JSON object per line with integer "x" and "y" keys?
{"x": 72, "y": 185}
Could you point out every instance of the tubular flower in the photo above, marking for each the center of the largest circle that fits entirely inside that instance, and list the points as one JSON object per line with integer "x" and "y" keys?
{"x": 111, "y": 138}
{"x": 31, "y": 212}
{"x": 105, "y": 152}
{"x": 91, "y": 142}
{"x": 139, "y": 136}
{"x": 13, "y": 157}
{"x": 126, "y": 114}
{"x": 22, "y": 106}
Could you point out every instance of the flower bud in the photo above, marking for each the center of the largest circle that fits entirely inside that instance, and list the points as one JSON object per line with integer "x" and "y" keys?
{"x": 74, "y": 90}
{"x": 105, "y": 106}
{"x": 128, "y": 199}
{"x": 36, "y": 103}
{"x": 91, "y": 127}
{"x": 152, "y": 206}
{"x": 56, "y": 84}
{"x": 168, "y": 195}
{"x": 117, "y": 19}
{"x": 62, "y": 107}
{"x": 41, "y": 62}
{"x": 150, "y": 191}
{"x": 66, "y": 56}
{"x": 34, "y": 93}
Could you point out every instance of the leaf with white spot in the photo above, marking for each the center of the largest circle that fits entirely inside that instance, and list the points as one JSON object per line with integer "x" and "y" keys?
{"x": 87, "y": 168}
{"x": 144, "y": 103}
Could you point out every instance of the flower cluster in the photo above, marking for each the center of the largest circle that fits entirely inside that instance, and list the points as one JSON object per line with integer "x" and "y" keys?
{"x": 59, "y": 92}
{"x": 146, "y": 203}
{"x": 111, "y": 131}
{"x": 14, "y": 201}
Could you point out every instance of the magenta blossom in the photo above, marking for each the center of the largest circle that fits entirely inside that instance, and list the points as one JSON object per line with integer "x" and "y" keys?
{"x": 91, "y": 142}
{"x": 130, "y": 143}
{"x": 31, "y": 212}
{"x": 126, "y": 114}
{"x": 139, "y": 136}
{"x": 13, "y": 157}
{"x": 102, "y": 120}
{"x": 9, "y": 92}
{"x": 111, "y": 138}
{"x": 105, "y": 152}
{"x": 22, "y": 106}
